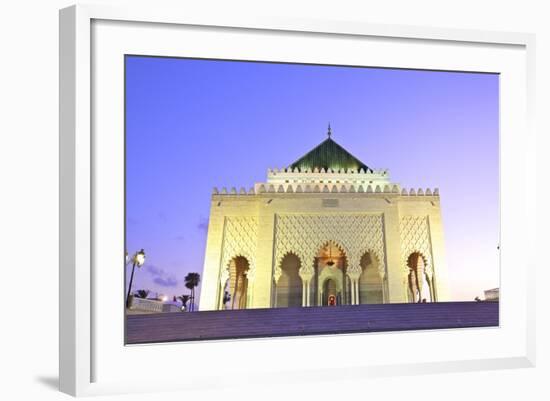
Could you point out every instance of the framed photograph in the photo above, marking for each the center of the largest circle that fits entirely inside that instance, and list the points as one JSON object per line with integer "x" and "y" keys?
{"x": 261, "y": 190}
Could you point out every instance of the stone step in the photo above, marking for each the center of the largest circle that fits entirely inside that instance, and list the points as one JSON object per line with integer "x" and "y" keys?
{"x": 188, "y": 326}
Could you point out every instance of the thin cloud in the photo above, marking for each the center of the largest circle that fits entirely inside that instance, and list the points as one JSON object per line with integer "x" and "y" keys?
{"x": 161, "y": 277}
{"x": 203, "y": 225}
{"x": 168, "y": 281}
{"x": 161, "y": 215}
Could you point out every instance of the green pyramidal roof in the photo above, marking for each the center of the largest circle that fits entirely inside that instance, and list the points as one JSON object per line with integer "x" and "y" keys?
{"x": 329, "y": 154}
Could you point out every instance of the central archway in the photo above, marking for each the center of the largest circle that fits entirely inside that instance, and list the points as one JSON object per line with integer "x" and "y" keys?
{"x": 289, "y": 286}
{"x": 330, "y": 293}
{"x": 330, "y": 270}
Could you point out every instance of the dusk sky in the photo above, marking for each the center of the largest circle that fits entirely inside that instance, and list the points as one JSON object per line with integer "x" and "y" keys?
{"x": 192, "y": 125}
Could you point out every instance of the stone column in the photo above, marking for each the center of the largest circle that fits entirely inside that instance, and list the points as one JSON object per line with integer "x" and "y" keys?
{"x": 397, "y": 290}
{"x": 261, "y": 297}
{"x": 306, "y": 277}
{"x": 354, "y": 275}
{"x": 250, "y": 277}
{"x": 210, "y": 282}
{"x": 308, "y": 293}
{"x": 273, "y": 302}
{"x": 440, "y": 277}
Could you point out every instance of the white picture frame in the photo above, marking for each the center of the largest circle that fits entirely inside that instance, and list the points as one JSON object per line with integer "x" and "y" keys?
{"x": 91, "y": 360}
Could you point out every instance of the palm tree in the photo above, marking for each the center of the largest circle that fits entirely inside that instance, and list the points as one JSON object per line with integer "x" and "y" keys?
{"x": 183, "y": 299}
{"x": 141, "y": 293}
{"x": 191, "y": 281}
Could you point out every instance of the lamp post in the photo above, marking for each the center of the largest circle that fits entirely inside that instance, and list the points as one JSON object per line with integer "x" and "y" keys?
{"x": 138, "y": 259}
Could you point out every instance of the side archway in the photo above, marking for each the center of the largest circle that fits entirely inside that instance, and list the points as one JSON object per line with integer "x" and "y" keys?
{"x": 419, "y": 286}
{"x": 235, "y": 291}
{"x": 371, "y": 286}
{"x": 288, "y": 289}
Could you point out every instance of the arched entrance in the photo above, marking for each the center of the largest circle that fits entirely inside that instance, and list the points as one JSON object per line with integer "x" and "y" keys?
{"x": 289, "y": 287}
{"x": 418, "y": 284}
{"x": 330, "y": 275}
{"x": 236, "y": 287}
{"x": 370, "y": 283}
{"x": 330, "y": 293}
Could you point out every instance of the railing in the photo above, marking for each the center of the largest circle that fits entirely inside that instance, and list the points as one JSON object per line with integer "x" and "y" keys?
{"x": 146, "y": 305}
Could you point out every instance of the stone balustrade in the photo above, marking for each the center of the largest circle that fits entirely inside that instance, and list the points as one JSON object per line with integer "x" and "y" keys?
{"x": 146, "y": 305}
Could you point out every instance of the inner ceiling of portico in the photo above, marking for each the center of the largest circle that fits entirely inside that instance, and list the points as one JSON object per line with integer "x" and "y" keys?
{"x": 331, "y": 252}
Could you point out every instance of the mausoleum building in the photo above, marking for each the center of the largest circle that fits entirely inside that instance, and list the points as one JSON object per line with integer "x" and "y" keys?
{"x": 326, "y": 230}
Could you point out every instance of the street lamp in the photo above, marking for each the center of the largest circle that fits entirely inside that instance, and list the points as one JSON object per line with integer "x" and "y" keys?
{"x": 138, "y": 259}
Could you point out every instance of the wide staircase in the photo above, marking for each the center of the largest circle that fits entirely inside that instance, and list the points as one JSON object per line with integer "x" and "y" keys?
{"x": 246, "y": 323}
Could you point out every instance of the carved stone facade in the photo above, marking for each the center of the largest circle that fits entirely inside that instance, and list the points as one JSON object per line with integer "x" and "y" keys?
{"x": 240, "y": 236}
{"x": 415, "y": 238}
{"x": 350, "y": 233}
{"x": 304, "y": 235}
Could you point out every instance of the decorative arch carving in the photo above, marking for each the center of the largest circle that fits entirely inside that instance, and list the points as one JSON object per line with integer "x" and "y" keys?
{"x": 380, "y": 262}
{"x": 334, "y": 242}
{"x": 278, "y": 270}
{"x": 343, "y": 249}
{"x": 240, "y": 236}
{"x": 415, "y": 237}
{"x": 304, "y": 235}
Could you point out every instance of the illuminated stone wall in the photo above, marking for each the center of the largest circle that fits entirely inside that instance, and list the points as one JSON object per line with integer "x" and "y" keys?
{"x": 298, "y": 212}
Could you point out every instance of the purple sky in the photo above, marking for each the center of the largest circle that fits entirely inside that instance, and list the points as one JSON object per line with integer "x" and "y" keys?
{"x": 195, "y": 124}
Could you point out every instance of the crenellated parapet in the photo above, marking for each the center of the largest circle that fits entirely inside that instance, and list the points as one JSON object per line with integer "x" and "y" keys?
{"x": 295, "y": 188}
{"x": 271, "y": 172}
{"x": 329, "y": 176}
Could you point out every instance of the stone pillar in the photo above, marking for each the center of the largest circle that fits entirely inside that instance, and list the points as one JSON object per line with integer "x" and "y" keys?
{"x": 261, "y": 296}
{"x": 308, "y": 294}
{"x": 306, "y": 277}
{"x": 397, "y": 290}
{"x": 354, "y": 275}
{"x": 210, "y": 281}
{"x": 354, "y": 278}
{"x": 439, "y": 279}
{"x": 250, "y": 277}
